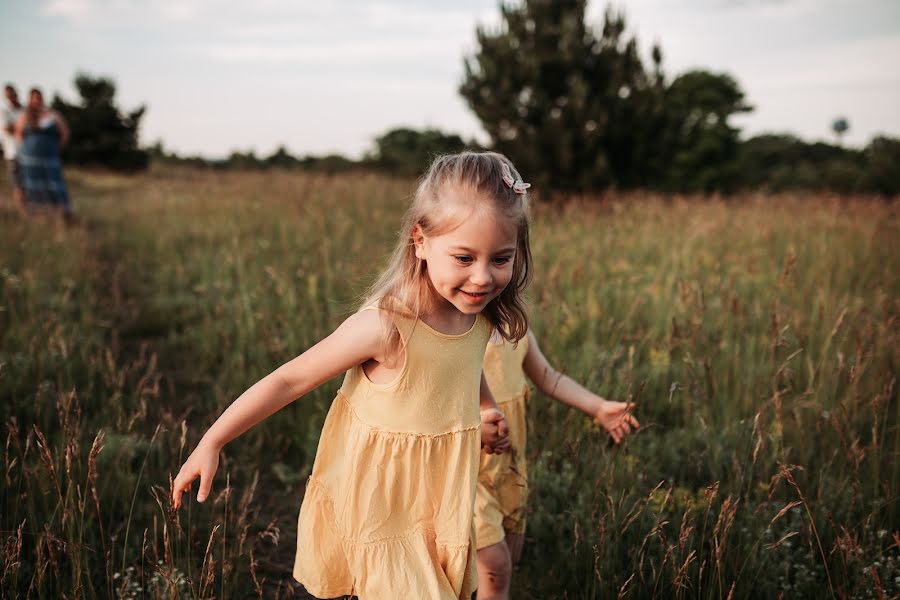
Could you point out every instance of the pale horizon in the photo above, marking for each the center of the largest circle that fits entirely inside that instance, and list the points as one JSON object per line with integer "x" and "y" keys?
{"x": 327, "y": 78}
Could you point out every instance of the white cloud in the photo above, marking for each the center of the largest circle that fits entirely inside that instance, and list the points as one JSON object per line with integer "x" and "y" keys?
{"x": 262, "y": 17}
{"x": 119, "y": 12}
{"x": 73, "y": 9}
{"x": 338, "y": 54}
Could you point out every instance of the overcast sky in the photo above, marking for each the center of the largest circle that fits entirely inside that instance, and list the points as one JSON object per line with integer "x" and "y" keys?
{"x": 329, "y": 75}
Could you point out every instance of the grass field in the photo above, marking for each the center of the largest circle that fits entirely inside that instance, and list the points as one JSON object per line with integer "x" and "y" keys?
{"x": 760, "y": 337}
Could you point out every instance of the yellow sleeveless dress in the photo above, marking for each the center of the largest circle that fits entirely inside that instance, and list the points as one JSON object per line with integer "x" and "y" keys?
{"x": 502, "y": 478}
{"x": 388, "y": 509}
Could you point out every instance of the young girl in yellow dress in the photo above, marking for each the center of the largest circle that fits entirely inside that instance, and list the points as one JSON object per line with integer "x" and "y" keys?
{"x": 388, "y": 510}
{"x": 502, "y": 480}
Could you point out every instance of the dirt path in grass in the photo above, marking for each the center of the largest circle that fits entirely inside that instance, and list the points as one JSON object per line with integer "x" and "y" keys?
{"x": 140, "y": 330}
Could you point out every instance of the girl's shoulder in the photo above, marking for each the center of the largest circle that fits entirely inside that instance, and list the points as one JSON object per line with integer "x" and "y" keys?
{"x": 390, "y": 335}
{"x": 497, "y": 339}
{"x": 392, "y": 312}
{"x": 373, "y": 318}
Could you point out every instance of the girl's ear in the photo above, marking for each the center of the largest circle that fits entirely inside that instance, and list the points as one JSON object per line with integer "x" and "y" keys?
{"x": 418, "y": 237}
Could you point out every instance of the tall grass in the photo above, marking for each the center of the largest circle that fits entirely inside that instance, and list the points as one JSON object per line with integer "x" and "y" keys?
{"x": 758, "y": 335}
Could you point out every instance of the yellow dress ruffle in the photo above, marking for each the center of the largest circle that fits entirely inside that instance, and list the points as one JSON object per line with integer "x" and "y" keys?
{"x": 388, "y": 510}
{"x": 502, "y": 490}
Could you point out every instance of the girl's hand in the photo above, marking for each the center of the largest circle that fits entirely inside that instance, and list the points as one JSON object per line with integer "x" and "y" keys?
{"x": 202, "y": 463}
{"x": 355, "y": 341}
{"x": 616, "y": 418}
{"x": 494, "y": 431}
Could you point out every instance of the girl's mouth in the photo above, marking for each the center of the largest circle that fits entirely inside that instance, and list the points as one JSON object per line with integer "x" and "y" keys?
{"x": 475, "y": 296}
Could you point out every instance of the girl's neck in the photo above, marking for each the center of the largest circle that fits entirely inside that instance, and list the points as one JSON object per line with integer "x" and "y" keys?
{"x": 448, "y": 320}
{"x": 431, "y": 309}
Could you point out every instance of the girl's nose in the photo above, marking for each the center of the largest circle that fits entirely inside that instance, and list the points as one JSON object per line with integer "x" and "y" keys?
{"x": 481, "y": 276}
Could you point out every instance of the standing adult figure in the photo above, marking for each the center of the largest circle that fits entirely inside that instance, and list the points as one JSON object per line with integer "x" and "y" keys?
{"x": 43, "y": 133}
{"x": 12, "y": 110}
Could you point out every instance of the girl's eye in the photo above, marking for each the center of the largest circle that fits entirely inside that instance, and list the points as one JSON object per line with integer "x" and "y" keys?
{"x": 464, "y": 259}
{"x": 501, "y": 260}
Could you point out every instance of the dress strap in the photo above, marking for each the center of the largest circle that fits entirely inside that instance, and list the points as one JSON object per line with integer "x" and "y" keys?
{"x": 405, "y": 324}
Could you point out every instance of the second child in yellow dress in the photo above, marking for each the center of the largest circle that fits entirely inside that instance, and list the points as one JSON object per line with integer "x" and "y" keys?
{"x": 503, "y": 479}
{"x": 388, "y": 510}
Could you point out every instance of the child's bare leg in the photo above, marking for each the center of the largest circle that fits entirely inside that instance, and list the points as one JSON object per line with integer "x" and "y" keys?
{"x": 514, "y": 542}
{"x": 494, "y": 569}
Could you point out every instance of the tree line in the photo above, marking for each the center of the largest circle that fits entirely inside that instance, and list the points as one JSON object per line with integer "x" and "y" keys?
{"x": 576, "y": 108}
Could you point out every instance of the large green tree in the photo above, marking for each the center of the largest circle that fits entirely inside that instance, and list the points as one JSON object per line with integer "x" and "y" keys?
{"x": 560, "y": 100}
{"x": 700, "y": 144}
{"x": 578, "y": 109}
{"x": 102, "y": 134}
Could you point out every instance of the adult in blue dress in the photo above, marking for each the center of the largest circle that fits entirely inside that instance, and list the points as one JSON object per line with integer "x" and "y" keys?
{"x": 43, "y": 132}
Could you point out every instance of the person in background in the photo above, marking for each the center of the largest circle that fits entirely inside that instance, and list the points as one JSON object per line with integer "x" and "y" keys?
{"x": 12, "y": 109}
{"x": 43, "y": 133}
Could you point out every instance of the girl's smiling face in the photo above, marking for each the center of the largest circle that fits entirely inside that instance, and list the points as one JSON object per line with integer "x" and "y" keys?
{"x": 472, "y": 263}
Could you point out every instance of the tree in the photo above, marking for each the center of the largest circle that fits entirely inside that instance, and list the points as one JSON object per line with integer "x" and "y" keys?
{"x": 882, "y": 158}
{"x": 579, "y": 110}
{"x": 775, "y": 162}
{"x": 409, "y": 152}
{"x": 242, "y": 160}
{"x": 281, "y": 158}
{"x": 840, "y": 126}
{"x": 101, "y": 133}
{"x": 779, "y": 162}
{"x": 700, "y": 144}
{"x": 330, "y": 163}
{"x": 569, "y": 108}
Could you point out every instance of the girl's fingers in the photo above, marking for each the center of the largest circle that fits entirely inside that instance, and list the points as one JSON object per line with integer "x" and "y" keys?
{"x": 177, "y": 488}
{"x": 628, "y": 422}
{"x": 181, "y": 485}
{"x": 205, "y": 485}
{"x": 176, "y": 494}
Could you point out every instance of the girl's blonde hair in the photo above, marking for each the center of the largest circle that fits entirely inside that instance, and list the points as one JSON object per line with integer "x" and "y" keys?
{"x": 404, "y": 287}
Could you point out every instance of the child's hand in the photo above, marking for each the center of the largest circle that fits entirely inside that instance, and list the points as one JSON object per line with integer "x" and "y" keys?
{"x": 494, "y": 431}
{"x": 202, "y": 463}
{"x": 616, "y": 418}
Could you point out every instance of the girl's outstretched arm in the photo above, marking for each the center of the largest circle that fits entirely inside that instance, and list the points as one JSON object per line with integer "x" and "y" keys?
{"x": 356, "y": 340}
{"x": 615, "y": 417}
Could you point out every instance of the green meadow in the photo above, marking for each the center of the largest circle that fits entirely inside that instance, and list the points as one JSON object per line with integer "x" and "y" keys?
{"x": 759, "y": 336}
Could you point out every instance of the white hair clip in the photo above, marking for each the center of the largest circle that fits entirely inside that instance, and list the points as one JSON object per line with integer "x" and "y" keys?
{"x": 517, "y": 185}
